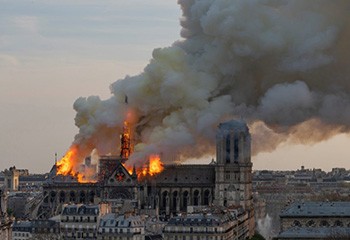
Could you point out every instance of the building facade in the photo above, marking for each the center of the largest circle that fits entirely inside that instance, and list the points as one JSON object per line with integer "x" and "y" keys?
{"x": 210, "y": 223}
{"x": 81, "y": 221}
{"x": 36, "y": 229}
{"x": 122, "y": 227}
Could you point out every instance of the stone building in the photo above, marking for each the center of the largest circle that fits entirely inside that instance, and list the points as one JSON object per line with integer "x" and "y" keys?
{"x": 81, "y": 221}
{"x": 224, "y": 182}
{"x": 211, "y": 223}
{"x": 316, "y": 220}
{"x": 37, "y": 229}
{"x": 122, "y": 227}
{"x": 5, "y": 221}
{"x": 22, "y": 230}
{"x": 11, "y": 179}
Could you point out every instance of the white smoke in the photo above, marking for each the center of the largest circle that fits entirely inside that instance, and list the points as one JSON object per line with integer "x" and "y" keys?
{"x": 264, "y": 227}
{"x": 280, "y": 65}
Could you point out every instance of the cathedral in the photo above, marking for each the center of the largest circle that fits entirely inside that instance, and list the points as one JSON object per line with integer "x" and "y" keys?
{"x": 224, "y": 182}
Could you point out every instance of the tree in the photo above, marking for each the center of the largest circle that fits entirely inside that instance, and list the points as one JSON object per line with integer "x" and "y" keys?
{"x": 257, "y": 236}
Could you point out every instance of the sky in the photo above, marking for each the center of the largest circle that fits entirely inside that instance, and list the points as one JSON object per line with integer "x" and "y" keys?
{"x": 53, "y": 52}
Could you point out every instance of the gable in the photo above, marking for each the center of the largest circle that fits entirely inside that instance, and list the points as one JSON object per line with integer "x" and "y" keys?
{"x": 120, "y": 176}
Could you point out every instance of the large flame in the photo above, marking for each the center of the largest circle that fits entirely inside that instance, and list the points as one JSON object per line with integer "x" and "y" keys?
{"x": 65, "y": 166}
{"x": 155, "y": 165}
{"x": 151, "y": 168}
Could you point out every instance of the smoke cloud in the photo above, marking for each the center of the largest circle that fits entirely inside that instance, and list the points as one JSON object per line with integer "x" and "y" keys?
{"x": 280, "y": 65}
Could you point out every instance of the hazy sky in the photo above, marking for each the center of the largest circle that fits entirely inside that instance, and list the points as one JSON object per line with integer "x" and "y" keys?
{"x": 52, "y": 52}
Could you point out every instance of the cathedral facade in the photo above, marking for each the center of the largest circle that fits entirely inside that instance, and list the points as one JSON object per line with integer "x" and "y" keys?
{"x": 224, "y": 182}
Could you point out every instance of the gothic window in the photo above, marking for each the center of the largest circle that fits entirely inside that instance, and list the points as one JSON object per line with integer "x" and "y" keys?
{"x": 91, "y": 196}
{"x": 72, "y": 196}
{"x": 174, "y": 200}
{"x": 120, "y": 176}
{"x": 164, "y": 198}
{"x": 324, "y": 223}
{"x": 310, "y": 223}
{"x": 82, "y": 197}
{"x": 228, "y": 148}
{"x": 338, "y": 224}
{"x": 196, "y": 198}
{"x": 227, "y": 175}
{"x": 235, "y": 148}
{"x": 62, "y": 197}
{"x": 185, "y": 199}
{"x": 52, "y": 196}
{"x": 296, "y": 224}
{"x": 206, "y": 197}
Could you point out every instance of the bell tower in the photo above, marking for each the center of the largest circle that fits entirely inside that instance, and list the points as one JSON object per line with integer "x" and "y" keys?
{"x": 233, "y": 172}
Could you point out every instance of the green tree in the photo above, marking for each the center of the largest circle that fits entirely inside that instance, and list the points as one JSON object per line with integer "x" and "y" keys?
{"x": 257, "y": 236}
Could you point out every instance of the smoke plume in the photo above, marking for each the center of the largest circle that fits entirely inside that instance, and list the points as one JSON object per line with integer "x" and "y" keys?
{"x": 280, "y": 65}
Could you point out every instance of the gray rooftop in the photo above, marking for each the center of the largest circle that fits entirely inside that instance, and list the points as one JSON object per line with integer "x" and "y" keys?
{"x": 187, "y": 175}
{"x": 111, "y": 220}
{"x": 315, "y": 233}
{"x": 200, "y": 219}
{"x": 317, "y": 209}
{"x": 22, "y": 226}
{"x": 81, "y": 210}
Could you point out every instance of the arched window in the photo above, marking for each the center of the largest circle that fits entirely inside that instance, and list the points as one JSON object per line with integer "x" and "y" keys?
{"x": 206, "y": 197}
{"x": 82, "y": 197}
{"x": 62, "y": 197}
{"x": 338, "y": 223}
{"x": 91, "y": 196}
{"x": 164, "y": 198}
{"x": 235, "y": 148}
{"x": 324, "y": 223}
{"x": 311, "y": 223}
{"x": 185, "y": 199}
{"x": 52, "y": 196}
{"x": 196, "y": 198}
{"x": 174, "y": 200}
{"x": 72, "y": 196}
{"x": 228, "y": 148}
{"x": 296, "y": 223}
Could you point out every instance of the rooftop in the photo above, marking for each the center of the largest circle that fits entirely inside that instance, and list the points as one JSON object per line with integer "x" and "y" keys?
{"x": 317, "y": 209}
{"x": 121, "y": 221}
{"x": 315, "y": 233}
{"x": 201, "y": 219}
{"x": 81, "y": 210}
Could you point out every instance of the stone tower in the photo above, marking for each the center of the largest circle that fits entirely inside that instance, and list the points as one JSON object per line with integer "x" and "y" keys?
{"x": 233, "y": 171}
{"x": 11, "y": 180}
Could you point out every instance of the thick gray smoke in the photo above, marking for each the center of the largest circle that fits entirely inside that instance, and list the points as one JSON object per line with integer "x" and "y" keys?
{"x": 280, "y": 65}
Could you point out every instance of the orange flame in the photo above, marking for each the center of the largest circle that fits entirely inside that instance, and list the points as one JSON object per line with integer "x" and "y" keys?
{"x": 155, "y": 165}
{"x": 65, "y": 166}
{"x": 151, "y": 168}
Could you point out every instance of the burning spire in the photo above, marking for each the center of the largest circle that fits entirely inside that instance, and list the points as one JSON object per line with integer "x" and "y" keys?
{"x": 125, "y": 142}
